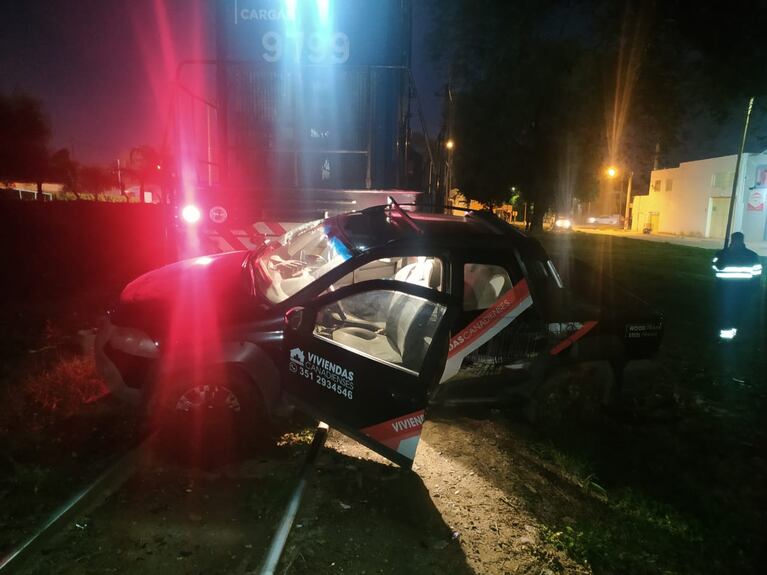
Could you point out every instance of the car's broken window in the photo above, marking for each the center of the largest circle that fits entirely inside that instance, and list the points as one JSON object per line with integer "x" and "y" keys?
{"x": 419, "y": 270}
{"x": 397, "y": 328}
{"x": 304, "y": 255}
{"x": 483, "y": 284}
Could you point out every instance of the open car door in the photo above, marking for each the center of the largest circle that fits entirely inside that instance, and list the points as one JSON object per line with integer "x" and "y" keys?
{"x": 363, "y": 359}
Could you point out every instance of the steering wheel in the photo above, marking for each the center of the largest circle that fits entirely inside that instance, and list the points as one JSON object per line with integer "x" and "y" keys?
{"x": 287, "y": 268}
{"x": 315, "y": 260}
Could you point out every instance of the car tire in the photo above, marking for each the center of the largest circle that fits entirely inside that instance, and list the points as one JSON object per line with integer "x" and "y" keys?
{"x": 573, "y": 394}
{"x": 216, "y": 418}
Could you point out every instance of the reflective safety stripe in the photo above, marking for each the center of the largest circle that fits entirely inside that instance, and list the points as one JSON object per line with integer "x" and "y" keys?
{"x": 738, "y": 272}
{"x": 735, "y": 275}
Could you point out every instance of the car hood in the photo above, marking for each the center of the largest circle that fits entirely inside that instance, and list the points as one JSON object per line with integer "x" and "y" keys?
{"x": 211, "y": 286}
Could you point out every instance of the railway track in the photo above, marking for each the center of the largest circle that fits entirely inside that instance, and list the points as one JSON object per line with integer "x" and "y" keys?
{"x": 274, "y": 527}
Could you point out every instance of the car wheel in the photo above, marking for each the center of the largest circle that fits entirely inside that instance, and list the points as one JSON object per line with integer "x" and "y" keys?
{"x": 212, "y": 419}
{"x": 572, "y": 394}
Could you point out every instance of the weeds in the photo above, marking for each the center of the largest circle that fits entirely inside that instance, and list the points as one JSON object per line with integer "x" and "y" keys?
{"x": 634, "y": 535}
{"x": 54, "y": 393}
{"x": 305, "y": 437}
{"x": 577, "y": 469}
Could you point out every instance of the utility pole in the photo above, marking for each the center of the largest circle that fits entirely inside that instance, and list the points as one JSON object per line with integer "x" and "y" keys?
{"x": 120, "y": 179}
{"x": 628, "y": 202}
{"x": 737, "y": 173}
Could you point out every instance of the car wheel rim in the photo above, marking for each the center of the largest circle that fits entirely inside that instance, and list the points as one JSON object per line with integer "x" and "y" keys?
{"x": 208, "y": 397}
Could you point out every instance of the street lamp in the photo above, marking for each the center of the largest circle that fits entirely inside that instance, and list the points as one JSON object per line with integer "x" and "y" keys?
{"x": 628, "y": 202}
{"x": 449, "y": 145}
{"x": 611, "y": 172}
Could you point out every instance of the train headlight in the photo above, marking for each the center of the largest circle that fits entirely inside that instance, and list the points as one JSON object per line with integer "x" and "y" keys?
{"x": 191, "y": 214}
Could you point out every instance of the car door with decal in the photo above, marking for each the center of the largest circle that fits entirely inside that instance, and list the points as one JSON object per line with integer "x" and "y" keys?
{"x": 368, "y": 374}
{"x": 498, "y": 333}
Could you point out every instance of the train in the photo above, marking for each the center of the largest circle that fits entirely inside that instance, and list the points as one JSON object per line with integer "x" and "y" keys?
{"x": 304, "y": 112}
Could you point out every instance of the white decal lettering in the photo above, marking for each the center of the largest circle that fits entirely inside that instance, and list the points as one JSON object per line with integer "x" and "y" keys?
{"x": 408, "y": 423}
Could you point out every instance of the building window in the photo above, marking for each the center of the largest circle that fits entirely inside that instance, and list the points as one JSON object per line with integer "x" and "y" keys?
{"x": 656, "y": 186}
{"x": 761, "y": 176}
{"x": 669, "y": 184}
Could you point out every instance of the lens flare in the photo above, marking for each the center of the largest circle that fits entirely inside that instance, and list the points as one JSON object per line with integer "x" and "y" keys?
{"x": 191, "y": 214}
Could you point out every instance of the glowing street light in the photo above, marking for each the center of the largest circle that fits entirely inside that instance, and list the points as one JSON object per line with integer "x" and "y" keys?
{"x": 611, "y": 172}
{"x": 450, "y": 144}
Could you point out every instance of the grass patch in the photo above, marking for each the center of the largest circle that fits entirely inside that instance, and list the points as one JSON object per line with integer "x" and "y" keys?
{"x": 682, "y": 463}
{"x": 48, "y": 400}
{"x": 635, "y": 534}
{"x": 577, "y": 469}
{"x": 301, "y": 437}
{"x": 61, "y": 390}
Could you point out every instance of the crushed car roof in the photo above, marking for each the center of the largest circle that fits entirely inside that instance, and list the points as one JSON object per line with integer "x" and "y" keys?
{"x": 382, "y": 224}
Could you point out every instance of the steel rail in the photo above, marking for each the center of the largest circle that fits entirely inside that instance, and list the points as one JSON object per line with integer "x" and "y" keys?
{"x": 95, "y": 493}
{"x": 274, "y": 553}
{"x": 121, "y": 470}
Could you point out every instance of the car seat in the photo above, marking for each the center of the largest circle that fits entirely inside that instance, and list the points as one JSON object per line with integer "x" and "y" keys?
{"x": 483, "y": 291}
{"x": 404, "y": 337}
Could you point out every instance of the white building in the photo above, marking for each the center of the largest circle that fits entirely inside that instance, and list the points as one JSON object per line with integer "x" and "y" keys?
{"x": 693, "y": 199}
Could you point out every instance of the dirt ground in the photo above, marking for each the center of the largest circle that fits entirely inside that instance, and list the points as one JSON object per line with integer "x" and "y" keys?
{"x": 476, "y": 502}
{"x": 670, "y": 481}
{"x": 488, "y": 493}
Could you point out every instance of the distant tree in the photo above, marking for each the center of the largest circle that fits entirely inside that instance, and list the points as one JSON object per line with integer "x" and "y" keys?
{"x": 548, "y": 91}
{"x": 527, "y": 86}
{"x": 24, "y": 134}
{"x": 96, "y": 180}
{"x": 62, "y": 169}
{"x": 146, "y": 167}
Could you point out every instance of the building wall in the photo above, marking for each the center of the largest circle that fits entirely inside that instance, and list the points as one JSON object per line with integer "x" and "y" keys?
{"x": 693, "y": 198}
{"x": 752, "y": 207}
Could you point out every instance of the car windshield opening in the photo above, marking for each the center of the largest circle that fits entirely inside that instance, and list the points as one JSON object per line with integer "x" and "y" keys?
{"x": 304, "y": 255}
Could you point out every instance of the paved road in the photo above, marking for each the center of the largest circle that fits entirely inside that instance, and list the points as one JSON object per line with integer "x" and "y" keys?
{"x": 707, "y": 243}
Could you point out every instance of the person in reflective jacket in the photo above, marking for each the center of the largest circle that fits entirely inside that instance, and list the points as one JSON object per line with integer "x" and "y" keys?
{"x": 737, "y": 270}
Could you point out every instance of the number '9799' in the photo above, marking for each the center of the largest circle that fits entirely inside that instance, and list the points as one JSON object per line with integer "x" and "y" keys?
{"x": 315, "y": 48}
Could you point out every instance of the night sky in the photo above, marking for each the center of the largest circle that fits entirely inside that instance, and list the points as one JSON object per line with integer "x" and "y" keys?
{"x": 103, "y": 69}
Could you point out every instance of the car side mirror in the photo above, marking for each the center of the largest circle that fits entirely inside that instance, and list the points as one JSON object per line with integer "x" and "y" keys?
{"x": 294, "y": 318}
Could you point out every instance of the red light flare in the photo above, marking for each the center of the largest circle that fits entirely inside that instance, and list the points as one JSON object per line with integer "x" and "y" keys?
{"x": 176, "y": 32}
{"x": 192, "y": 368}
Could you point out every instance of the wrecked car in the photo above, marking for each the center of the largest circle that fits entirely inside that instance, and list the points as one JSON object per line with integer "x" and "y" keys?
{"x": 362, "y": 320}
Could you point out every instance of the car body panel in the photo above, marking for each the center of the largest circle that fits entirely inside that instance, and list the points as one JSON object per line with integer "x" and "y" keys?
{"x": 210, "y": 311}
{"x": 604, "y": 220}
{"x": 329, "y": 371}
